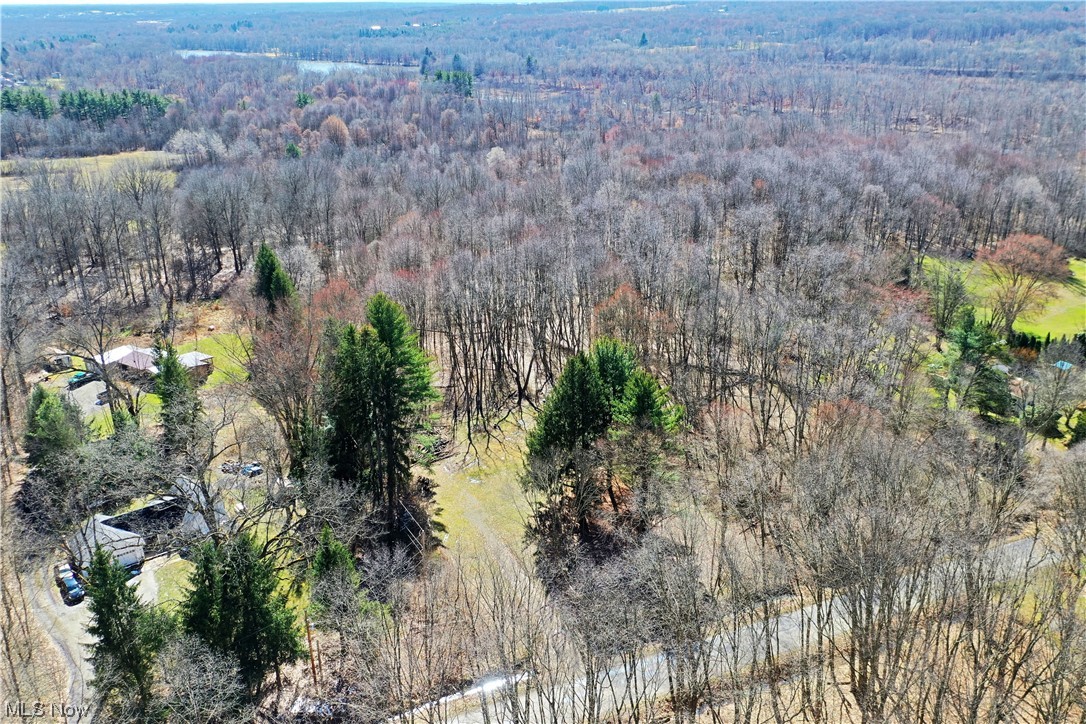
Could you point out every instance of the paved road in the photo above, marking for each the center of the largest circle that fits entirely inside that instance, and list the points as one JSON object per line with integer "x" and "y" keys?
{"x": 482, "y": 704}
{"x": 86, "y": 397}
{"x": 66, "y": 628}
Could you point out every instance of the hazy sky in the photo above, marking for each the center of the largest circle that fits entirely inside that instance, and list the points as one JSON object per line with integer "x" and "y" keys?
{"x": 106, "y": 5}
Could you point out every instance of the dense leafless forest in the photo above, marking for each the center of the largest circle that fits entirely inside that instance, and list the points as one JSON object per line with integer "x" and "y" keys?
{"x": 571, "y": 362}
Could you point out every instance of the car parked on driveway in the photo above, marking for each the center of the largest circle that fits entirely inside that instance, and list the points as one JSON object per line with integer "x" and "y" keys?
{"x": 60, "y": 571}
{"x": 81, "y": 378}
{"x": 70, "y": 589}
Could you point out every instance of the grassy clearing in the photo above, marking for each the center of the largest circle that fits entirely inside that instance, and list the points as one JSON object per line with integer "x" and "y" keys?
{"x": 1064, "y": 314}
{"x": 150, "y": 407}
{"x": 12, "y": 172}
{"x": 227, "y": 349}
{"x": 479, "y": 499}
{"x": 172, "y": 579}
{"x": 1041, "y": 587}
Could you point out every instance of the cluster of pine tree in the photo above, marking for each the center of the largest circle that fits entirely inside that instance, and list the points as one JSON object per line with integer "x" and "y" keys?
{"x": 376, "y": 383}
{"x": 102, "y": 107}
{"x": 233, "y": 609}
{"x": 603, "y": 430}
{"x": 30, "y": 100}
{"x": 461, "y": 81}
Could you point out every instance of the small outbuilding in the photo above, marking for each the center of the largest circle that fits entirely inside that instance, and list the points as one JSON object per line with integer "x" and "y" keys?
{"x": 199, "y": 365}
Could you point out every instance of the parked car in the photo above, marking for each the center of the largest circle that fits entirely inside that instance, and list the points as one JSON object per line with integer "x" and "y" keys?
{"x": 230, "y": 467}
{"x": 61, "y": 571}
{"x": 70, "y": 590}
{"x": 81, "y": 378}
{"x": 252, "y": 470}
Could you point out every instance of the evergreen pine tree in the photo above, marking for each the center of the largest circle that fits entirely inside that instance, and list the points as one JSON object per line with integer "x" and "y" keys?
{"x": 127, "y": 634}
{"x": 349, "y": 391}
{"x": 234, "y": 605}
{"x": 331, "y": 556}
{"x": 614, "y": 363}
{"x": 1078, "y": 432}
{"x": 54, "y": 427}
{"x": 577, "y": 412}
{"x": 381, "y": 382}
{"x": 273, "y": 283}
{"x": 644, "y": 405}
{"x": 181, "y": 409}
{"x": 596, "y": 394}
{"x": 560, "y": 456}
{"x": 201, "y": 611}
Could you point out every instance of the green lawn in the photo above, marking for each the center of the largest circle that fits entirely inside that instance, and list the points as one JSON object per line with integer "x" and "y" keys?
{"x": 227, "y": 350}
{"x": 479, "y": 500}
{"x": 1064, "y": 314}
{"x": 172, "y": 579}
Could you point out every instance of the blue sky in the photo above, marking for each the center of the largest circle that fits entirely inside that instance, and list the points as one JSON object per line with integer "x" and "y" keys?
{"x": 99, "y": 4}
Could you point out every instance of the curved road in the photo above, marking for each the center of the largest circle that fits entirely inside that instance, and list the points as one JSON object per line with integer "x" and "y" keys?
{"x": 66, "y": 628}
{"x": 486, "y": 703}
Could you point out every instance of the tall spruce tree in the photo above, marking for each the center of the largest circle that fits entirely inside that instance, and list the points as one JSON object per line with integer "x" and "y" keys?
{"x": 54, "y": 427}
{"x": 402, "y": 387}
{"x": 577, "y": 412}
{"x": 331, "y": 556}
{"x": 127, "y": 634}
{"x": 560, "y": 460}
{"x": 600, "y": 396}
{"x": 614, "y": 363}
{"x": 181, "y": 408}
{"x": 378, "y": 382}
{"x": 644, "y": 405}
{"x": 234, "y": 606}
{"x": 349, "y": 392}
{"x": 273, "y": 284}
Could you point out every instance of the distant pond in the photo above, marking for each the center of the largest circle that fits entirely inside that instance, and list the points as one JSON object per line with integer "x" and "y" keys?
{"x": 308, "y": 66}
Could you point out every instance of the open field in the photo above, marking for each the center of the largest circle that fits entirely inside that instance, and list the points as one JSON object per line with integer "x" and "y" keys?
{"x": 479, "y": 501}
{"x": 1064, "y": 314}
{"x": 12, "y": 172}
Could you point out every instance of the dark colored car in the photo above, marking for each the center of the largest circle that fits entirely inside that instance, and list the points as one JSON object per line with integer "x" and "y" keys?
{"x": 70, "y": 590}
{"x": 81, "y": 378}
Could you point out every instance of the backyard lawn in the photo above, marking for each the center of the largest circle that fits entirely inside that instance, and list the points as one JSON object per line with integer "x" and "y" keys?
{"x": 227, "y": 349}
{"x": 1064, "y": 314}
{"x": 172, "y": 579}
{"x": 479, "y": 501}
